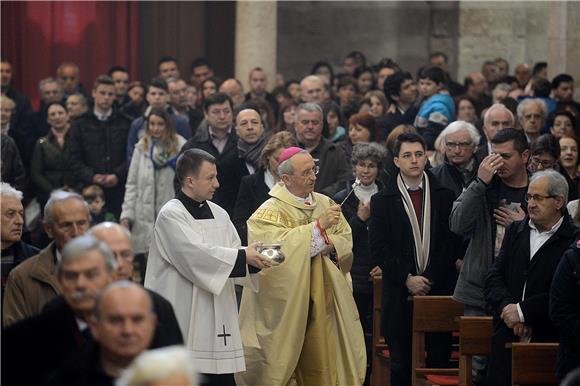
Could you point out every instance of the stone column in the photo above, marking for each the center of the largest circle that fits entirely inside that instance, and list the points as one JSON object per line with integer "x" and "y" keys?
{"x": 256, "y": 35}
{"x": 564, "y": 41}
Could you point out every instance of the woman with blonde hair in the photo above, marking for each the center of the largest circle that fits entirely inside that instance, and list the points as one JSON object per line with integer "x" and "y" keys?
{"x": 150, "y": 179}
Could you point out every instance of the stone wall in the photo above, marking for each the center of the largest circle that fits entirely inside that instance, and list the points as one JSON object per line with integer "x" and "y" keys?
{"x": 516, "y": 31}
{"x": 312, "y": 31}
{"x": 470, "y": 32}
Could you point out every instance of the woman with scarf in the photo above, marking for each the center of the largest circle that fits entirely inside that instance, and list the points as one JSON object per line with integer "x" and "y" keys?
{"x": 150, "y": 180}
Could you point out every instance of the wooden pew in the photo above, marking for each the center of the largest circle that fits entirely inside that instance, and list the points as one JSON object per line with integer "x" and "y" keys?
{"x": 474, "y": 339}
{"x": 432, "y": 314}
{"x": 380, "y": 371}
{"x": 533, "y": 363}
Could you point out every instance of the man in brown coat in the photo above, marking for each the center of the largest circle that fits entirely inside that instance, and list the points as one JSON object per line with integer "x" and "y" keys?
{"x": 33, "y": 283}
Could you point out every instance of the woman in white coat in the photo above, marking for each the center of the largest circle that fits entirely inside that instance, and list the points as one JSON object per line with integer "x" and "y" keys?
{"x": 150, "y": 180}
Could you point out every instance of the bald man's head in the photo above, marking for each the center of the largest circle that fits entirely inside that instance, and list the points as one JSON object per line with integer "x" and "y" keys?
{"x": 118, "y": 239}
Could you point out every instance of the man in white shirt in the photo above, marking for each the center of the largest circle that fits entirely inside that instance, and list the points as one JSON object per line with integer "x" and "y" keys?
{"x": 518, "y": 283}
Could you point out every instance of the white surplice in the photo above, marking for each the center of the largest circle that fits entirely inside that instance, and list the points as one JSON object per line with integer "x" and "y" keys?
{"x": 189, "y": 263}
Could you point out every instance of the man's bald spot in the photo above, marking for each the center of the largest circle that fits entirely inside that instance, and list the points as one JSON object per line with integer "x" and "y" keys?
{"x": 246, "y": 112}
{"x": 126, "y": 287}
{"x": 103, "y": 230}
{"x": 231, "y": 85}
{"x": 310, "y": 79}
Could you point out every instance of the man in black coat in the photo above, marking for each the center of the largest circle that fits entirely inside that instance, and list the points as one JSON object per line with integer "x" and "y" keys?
{"x": 518, "y": 283}
{"x": 122, "y": 327}
{"x": 565, "y": 309}
{"x": 39, "y": 345}
{"x": 410, "y": 240}
{"x": 221, "y": 141}
{"x": 401, "y": 92}
{"x": 98, "y": 144}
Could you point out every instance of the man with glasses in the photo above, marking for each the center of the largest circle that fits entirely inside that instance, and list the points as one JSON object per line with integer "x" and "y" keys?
{"x": 460, "y": 166}
{"x": 490, "y": 203}
{"x": 304, "y": 313}
{"x": 221, "y": 141}
{"x": 330, "y": 158}
{"x": 410, "y": 241}
{"x": 518, "y": 283}
{"x": 545, "y": 153}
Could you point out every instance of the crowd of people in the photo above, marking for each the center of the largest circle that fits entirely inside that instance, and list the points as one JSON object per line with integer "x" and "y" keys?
{"x": 441, "y": 188}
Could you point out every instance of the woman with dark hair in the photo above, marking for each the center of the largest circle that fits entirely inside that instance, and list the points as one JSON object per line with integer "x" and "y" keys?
{"x": 563, "y": 124}
{"x": 254, "y": 188}
{"x": 361, "y": 128}
{"x": 287, "y": 117}
{"x": 137, "y": 103}
{"x": 569, "y": 163}
{"x": 150, "y": 180}
{"x": 50, "y": 168}
{"x": 333, "y": 121}
{"x": 365, "y": 78}
{"x": 293, "y": 88}
{"x": 324, "y": 69}
{"x": 545, "y": 153}
{"x": 465, "y": 108}
{"x": 209, "y": 86}
{"x": 366, "y": 161}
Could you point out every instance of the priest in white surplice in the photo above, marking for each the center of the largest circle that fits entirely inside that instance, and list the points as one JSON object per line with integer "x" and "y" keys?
{"x": 194, "y": 259}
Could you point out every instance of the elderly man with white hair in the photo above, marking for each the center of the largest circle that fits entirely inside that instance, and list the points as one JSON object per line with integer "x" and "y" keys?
{"x": 460, "y": 141}
{"x": 518, "y": 283}
{"x": 14, "y": 251}
{"x": 532, "y": 114}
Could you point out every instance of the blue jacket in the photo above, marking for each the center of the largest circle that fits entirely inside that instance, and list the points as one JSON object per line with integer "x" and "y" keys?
{"x": 433, "y": 116}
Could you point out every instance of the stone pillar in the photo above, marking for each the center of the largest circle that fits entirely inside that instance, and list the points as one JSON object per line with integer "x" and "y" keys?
{"x": 564, "y": 41}
{"x": 256, "y": 35}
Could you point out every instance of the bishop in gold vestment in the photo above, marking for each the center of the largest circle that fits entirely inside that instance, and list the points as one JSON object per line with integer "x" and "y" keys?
{"x": 303, "y": 324}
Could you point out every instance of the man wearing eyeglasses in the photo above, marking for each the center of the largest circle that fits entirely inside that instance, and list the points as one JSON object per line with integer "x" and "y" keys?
{"x": 460, "y": 166}
{"x": 518, "y": 283}
{"x": 410, "y": 240}
{"x": 490, "y": 203}
{"x": 303, "y": 322}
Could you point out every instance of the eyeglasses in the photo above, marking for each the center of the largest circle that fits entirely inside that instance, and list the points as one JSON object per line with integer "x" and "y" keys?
{"x": 537, "y": 197}
{"x": 546, "y": 163}
{"x": 308, "y": 172}
{"x": 461, "y": 145}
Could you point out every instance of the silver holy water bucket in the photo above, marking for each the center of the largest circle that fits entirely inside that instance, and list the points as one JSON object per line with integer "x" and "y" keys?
{"x": 273, "y": 253}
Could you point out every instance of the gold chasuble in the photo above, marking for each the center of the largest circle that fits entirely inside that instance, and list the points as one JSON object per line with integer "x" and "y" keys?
{"x": 303, "y": 324}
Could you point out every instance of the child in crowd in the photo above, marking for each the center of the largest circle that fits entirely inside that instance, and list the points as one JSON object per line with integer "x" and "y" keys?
{"x": 437, "y": 109}
{"x": 95, "y": 198}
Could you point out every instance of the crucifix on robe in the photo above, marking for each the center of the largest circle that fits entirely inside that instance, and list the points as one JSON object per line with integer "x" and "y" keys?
{"x": 224, "y": 335}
